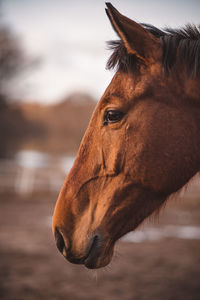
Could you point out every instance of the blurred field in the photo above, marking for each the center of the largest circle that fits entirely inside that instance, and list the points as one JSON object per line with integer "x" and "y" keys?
{"x": 55, "y": 129}
{"x": 32, "y": 268}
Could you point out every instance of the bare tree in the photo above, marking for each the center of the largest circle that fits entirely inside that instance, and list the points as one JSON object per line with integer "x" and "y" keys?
{"x": 14, "y": 127}
{"x": 12, "y": 60}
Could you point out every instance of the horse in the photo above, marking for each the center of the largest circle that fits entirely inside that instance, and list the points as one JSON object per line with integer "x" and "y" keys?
{"x": 142, "y": 143}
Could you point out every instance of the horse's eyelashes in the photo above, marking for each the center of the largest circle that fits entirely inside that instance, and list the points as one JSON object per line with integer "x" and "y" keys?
{"x": 112, "y": 116}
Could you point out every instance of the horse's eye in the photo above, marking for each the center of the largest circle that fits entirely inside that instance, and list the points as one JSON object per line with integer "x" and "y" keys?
{"x": 112, "y": 116}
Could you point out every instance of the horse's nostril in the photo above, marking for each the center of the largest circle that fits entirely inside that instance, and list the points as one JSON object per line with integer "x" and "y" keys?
{"x": 59, "y": 241}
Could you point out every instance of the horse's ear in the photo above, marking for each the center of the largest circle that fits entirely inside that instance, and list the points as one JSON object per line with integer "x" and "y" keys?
{"x": 137, "y": 40}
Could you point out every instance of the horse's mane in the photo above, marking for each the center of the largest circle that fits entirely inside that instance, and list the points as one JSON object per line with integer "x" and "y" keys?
{"x": 179, "y": 45}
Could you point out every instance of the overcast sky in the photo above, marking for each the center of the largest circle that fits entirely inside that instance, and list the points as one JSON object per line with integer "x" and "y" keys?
{"x": 69, "y": 38}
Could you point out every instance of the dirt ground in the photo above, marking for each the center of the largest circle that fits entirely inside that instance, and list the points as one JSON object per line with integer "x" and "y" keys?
{"x": 32, "y": 268}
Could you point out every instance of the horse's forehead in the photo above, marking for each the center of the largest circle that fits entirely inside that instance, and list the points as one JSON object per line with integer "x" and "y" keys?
{"x": 127, "y": 86}
{"x": 123, "y": 85}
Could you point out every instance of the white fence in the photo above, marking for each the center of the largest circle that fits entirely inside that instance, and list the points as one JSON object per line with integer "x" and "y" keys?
{"x": 18, "y": 176}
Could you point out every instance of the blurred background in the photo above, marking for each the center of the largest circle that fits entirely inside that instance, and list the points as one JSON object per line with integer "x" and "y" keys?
{"x": 52, "y": 73}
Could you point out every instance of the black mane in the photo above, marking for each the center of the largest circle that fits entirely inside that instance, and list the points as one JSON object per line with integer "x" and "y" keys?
{"x": 179, "y": 46}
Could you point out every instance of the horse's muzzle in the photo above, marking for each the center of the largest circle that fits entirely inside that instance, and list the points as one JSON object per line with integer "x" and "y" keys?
{"x": 94, "y": 255}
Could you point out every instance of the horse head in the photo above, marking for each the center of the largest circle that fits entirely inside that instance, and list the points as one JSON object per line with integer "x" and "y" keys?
{"x": 141, "y": 145}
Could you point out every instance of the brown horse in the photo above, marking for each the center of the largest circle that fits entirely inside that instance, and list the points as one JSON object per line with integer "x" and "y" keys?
{"x": 142, "y": 143}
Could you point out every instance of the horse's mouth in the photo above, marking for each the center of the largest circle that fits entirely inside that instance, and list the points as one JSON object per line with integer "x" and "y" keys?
{"x": 99, "y": 253}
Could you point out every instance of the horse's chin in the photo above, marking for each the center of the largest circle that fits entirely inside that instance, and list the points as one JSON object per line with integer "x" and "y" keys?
{"x": 100, "y": 259}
